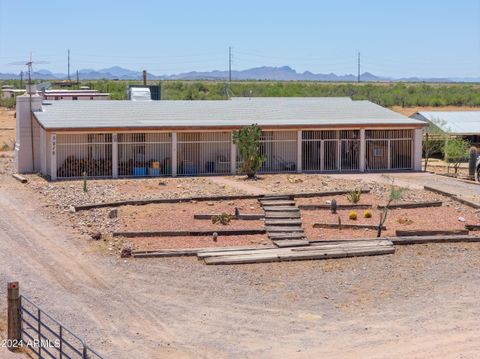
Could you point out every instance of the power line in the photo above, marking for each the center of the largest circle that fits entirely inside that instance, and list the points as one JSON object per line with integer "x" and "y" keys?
{"x": 229, "y": 64}
{"x": 358, "y": 73}
{"x": 69, "y": 65}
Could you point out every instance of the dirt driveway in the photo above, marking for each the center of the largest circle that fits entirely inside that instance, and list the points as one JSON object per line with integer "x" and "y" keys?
{"x": 416, "y": 180}
{"x": 421, "y": 302}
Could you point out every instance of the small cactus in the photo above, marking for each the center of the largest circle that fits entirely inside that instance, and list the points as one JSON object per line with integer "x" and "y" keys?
{"x": 333, "y": 206}
{"x": 355, "y": 195}
{"x": 352, "y": 215}
{"x": 85, "y": 189}
{"x": 367, "y": 214}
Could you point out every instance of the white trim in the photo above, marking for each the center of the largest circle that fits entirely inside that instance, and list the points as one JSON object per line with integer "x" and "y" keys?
{"x": 363, "y": 151}
{"x": 53, "y": 158}
{"x": 417, "y": 145}
{"x": 174, "y": 154}
{"x": 114, "y": 155}
{"x": 299, "y": 151}
{"x": 233, "y": 157}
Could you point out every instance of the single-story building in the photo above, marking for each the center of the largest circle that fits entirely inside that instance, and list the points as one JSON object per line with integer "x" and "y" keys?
{"x": 184, "y": 138}
{"x": 74, "y": 95}
{"x": 11, "y": 92}
{"x": 465, "y": 124}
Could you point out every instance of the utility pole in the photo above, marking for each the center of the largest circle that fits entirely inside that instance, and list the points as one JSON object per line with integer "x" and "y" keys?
{"x": 229, "y": 64}
{"x": 358, "y": 75}
{"x": 68, "y": 65}
{"x": 21, "y": 79}
{"x": 78, "y": 79}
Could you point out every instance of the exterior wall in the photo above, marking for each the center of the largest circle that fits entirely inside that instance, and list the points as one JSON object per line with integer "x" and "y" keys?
{"x": 24, "y": 161}
{"x": 131, "y": 154}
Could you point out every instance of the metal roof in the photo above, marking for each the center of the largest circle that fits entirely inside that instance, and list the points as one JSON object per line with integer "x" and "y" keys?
{"x": 454, "y": 122}
{"x": 275, "y": 112}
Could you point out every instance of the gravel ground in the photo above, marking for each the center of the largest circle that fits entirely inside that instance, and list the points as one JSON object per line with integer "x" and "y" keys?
{"x": 453, "y": 214}
{"x": 421, "y": 302}
{"x": 154, "y": 243}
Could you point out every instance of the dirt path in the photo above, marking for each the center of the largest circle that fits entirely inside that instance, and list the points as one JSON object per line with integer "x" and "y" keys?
{"x": 241, "y": 185}
{"x": 421, "y": 302}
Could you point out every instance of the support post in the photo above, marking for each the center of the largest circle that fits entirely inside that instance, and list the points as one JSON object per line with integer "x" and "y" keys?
{"x": 53, "y": 156}
{"x": 174, "y": 154}
{"x": 14, "y": 316}
{"x": 322, "y": 156}
{"x": 363, "y": 146}
{"x": 233, "y": 157}
{"x": 339, "y": 152}
{"x": 417, "y": 145}
{"x": 299, "y": 152}
{"x": 115, "y": 155}
{"x": 389, "y": 154}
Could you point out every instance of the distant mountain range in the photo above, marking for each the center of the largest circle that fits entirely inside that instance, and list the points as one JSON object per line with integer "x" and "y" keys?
{"x": 283, "y": 73}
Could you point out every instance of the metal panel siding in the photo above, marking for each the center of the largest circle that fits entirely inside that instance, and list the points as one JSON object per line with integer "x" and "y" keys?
{"x": 184, "y": 114}
{"x": 456, "y": 122}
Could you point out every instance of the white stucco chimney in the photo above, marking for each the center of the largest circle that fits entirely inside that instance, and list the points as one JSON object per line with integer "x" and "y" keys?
{"x": 24, "y": 161}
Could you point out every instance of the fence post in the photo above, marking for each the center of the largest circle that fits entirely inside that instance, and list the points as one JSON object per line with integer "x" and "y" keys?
{"x": 14, "y": 316}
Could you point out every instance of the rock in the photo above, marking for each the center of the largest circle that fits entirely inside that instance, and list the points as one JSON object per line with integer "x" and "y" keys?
{"x": 210, "y": 203}
{"x": 126, "y": 252}
{"x": 461, "y": 219}
{"x": 215, "y": 236}
{"x": 71, "y": 209}
{"x": 96, "y": 236}
{"x": 113, "y": 213}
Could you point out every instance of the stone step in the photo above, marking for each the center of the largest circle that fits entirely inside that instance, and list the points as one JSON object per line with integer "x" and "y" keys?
{"x": 283, "y": 222}
{"x": 283, "y": 229}
{"x": 282, "y": 215}
{"x": 285, "y": 235}
{"x": 281, "y": 209}
{"x": 279, "y": 197}
{"x": 277, "y": 203}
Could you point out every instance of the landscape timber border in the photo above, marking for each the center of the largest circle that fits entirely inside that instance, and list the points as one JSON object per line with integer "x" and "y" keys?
{"x": 413, "y": 233}
{"x": 347, "y": 225}
{"x": 453, "y": 196}
{"x": 180, "y": 252}
{"x": 211, "y": 199}
{"x": 220, "y": 232}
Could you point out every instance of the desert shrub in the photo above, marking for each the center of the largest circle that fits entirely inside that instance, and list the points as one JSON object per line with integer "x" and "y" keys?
{"x": 367, "y": 214}
{"x": 354, "y": 196}
{"x": 405, "y": 220}
{"x": 223, "y": 218}
{"x": 352, "y": 215}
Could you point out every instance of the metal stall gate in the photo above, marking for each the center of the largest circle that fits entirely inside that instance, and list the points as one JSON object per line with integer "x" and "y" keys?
{"x": 84, "y": 153}
{"x": 144, "y": 154}
{"x": 280, "y": 151}
{"x": 388, "y": 150}
{"x": 203, "y": 153}
{"x": 330, "y": 150}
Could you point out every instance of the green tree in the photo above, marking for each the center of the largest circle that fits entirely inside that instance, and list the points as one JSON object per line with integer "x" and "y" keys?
{"x": 248, "y": 141}
{"x": 395, "y": 194}
{"x": 433, "y": 141}
{"x": 456, "y": 151}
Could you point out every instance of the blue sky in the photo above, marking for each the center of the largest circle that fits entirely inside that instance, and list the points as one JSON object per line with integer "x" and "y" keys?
{"x": 396, "y": 38}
